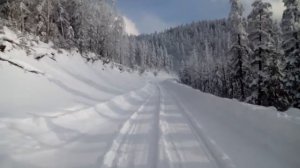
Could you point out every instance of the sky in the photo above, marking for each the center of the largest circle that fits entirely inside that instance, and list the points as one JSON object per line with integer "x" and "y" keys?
{"x": 148, "y": 16}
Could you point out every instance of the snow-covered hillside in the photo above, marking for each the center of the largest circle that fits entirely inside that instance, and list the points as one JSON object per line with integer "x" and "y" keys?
{"x": 73, "y": 114}
{"x": 64, "y": 80}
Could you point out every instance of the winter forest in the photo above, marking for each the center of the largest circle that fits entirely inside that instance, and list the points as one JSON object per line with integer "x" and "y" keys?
{"x": 253, "y": 58}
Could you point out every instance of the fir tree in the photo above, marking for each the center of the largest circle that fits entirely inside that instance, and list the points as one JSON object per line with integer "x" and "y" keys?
{"x": 260, "y": 26}
{"x": 291, "y": 44}
{"x": 239, "y": 50}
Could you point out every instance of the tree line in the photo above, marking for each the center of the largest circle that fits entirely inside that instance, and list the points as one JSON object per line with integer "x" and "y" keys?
{"x": 253, "y": 59}
{"x": 91, "y": 26}
{"x": 262, "y": 61}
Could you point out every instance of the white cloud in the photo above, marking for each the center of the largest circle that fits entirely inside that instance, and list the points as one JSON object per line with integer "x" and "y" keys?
{"x": 130, "y": 27}
{"x": 277, "y": 7}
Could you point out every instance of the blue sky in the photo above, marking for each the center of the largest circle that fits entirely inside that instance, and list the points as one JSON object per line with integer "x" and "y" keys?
{"x": 147, "y": 16}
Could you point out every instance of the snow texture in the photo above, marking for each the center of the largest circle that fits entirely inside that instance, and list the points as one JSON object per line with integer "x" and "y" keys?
{"x": 79, "y": 115}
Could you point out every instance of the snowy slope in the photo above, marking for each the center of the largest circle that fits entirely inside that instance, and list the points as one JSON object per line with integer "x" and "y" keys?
{"x": 75, "y": 114}
{"x": 67, "y": 82}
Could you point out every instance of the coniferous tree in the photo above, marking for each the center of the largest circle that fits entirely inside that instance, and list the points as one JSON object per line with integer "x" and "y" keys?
{"x": 239, "y": 51}
{"x": 261, "y": 41}
{"x": 277, "y": 95}
{"x": 266, "y": 73}
{"x": 291, "y": 45}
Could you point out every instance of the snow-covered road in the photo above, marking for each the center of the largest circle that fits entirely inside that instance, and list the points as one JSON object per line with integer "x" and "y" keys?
{"x": 98, "y": 117}
{"x": 159, "y": 135}
{"x": 161, "y": 125}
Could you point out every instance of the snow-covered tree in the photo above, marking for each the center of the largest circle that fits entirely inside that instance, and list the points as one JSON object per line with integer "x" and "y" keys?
{"x": 266, "y": 72}
{"x": 260, "y": 26}
{"x": 239, "y": 50}
{"x": 291, "y": 44}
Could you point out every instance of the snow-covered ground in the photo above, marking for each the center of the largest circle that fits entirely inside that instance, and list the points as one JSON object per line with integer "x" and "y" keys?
{"x": 80, "y": 115}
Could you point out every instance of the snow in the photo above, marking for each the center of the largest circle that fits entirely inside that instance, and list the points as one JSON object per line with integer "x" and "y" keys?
{"x": 80, "y": 115}
{"x": 252, "y": 136}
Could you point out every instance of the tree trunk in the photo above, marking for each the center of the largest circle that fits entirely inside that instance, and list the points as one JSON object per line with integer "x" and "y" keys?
{"x": 241, "y": 72}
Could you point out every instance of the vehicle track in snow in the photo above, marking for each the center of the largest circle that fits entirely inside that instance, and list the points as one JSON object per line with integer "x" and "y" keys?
{"x": 183, "y": 148}
{"x": 70, "y": 130}
{"x": 160, "y": 134}
{"x": 161, "y": 125}
{"x": 184, "y": 143}
{"x": 136, "y": 144}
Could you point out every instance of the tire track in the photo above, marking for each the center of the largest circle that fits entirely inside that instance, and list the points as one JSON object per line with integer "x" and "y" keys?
{"x": 123, "y": 143}
{"x": 153, "y": 158}
{"x": 164, "y": 142}
{"x": 216, "y": 155}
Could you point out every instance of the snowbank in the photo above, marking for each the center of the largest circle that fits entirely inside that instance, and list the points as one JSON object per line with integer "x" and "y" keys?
{"x": 67, "y": 80}
{"x": 247, "y": 132}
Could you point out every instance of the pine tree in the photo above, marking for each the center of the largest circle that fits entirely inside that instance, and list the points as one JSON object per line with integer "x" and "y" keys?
{"x": 260, "y": 26}
{"x": 239, "y": 50}
{"x": 277, "y": 95}
{"x": 291, "y": 44}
